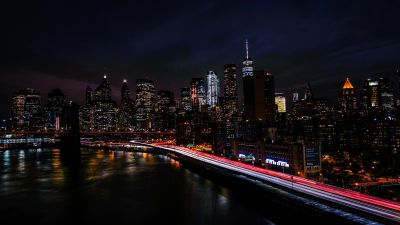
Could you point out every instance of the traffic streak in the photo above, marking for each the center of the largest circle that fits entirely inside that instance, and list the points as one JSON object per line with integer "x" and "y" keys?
{"x": 365, "y": 203}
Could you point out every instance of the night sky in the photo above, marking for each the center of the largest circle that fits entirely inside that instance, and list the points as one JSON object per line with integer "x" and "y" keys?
{"x": 69, "y": 45}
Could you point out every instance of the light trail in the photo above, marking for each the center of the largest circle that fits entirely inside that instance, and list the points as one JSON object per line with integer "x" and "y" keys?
{"x": 365, "y": 203}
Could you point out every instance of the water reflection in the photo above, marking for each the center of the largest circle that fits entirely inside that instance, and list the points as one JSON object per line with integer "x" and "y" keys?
{"x": 112, "y": 187}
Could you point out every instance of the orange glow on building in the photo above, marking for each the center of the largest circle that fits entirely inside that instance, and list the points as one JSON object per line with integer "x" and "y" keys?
{"x": 347, "y": 84}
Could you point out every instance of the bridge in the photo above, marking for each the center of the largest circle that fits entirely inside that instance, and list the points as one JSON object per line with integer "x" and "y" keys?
{"x": 377, "y": 207}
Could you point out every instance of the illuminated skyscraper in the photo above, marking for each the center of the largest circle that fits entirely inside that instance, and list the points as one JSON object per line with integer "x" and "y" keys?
{"x": 295, "y": 96}
{"x": 230, "y": 91}
{"x": 33, "y": 111}
{"x": 125, "y": 109}
{"x": 26, "y": 110}
{"x": 125, "y": 92}
{"x": 103, "y": 91}
{"x": 212, "y": 89}
{"x": 348, "y": 98}
{"x": 165, "y": 111}
{"x": 198, "y": 93}
{"x": 378, "y": 94}
{"x": 145, "y": 104}
{"x": 247, "y": 63}
{"x": 55, "y": 103}
{"x": 280, "y": 101}
{"x": 186, "y": 99}
{"x": 103, "y": 108}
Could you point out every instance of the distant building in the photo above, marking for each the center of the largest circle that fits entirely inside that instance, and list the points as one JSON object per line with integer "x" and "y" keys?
{"x": 103, "y": 91}
{"x": 259, "y": 97}
{"x": 88, "y": 95}
{"x": 126, "y": 109}
{"x": 186, "y": 99}
{"x": 291, "y": 158}
{"x": 269, "y": 92}
{"x": 26, "y": 110}
{"x": 145, "y": 104}
{"x": 198, "y": 93}
{"x": 99, "y": 113}
{"x": 165, "y": 111}
{"x": 378, "y": 94}
{"x": 280, "y": 101}
{"x": 308, "y": 94}
{"x": 56, "y": 101}
{"x": 348, "y": 98}
{"x": 247, "y": 63}
{"x": 213, "y": 91}
{"x": 230, "y": 101}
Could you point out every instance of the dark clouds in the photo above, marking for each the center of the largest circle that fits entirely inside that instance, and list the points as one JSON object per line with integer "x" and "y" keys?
{"x": 66, "y": 44}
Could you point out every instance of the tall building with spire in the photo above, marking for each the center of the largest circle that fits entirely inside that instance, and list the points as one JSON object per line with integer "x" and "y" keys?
{"x": 230, "y": 99}
{"x": 247, "y": 63}
{"x": 99, "y": 114}
{"x": 125, "y": 92}
{"x": 212, "y": 89}
{"x": 125, "y": 109}
{"x": 348, "y": 98}
{"x": 103, "y": 91}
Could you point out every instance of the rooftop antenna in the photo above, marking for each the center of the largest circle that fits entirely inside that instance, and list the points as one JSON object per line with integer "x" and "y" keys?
{"x": 247, "y": 49}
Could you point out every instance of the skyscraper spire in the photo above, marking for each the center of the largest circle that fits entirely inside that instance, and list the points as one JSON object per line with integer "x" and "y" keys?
{"x": 247, "y": 49}
{"x": 347, "y": 84}
{"x": 247, "y": 63}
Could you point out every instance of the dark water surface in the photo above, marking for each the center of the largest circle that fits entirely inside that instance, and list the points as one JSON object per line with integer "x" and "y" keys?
{"x": 106, "y": 187}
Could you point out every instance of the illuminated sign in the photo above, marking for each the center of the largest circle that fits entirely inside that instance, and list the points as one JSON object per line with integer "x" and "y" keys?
{"x": 279, "y": 163}
{"x": 249, "y": 156}
{"x": 373, "y": 83}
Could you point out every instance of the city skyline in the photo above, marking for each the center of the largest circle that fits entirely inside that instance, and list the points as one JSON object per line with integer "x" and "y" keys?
{"x": 328, "y": 43}
{"x": 213, "y": 112}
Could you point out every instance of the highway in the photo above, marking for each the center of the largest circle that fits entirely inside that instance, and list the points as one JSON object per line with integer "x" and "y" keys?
{"x": 368, "y": 204}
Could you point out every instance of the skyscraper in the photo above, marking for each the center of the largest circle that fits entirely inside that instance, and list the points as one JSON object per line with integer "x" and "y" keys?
{"x": 103, "y": 108}
{"x": 230, "y": 91}
{"x": 387, "y": 94}
{"x": 125, "y": 92}
{"x": 126, "y": 109}
{"x": 212, "y": 89}
{"x": 145, "y": 104}
{"x": 55, "y": 103}
{"x": 186, "y": 99}
{"x": 88, "y": 95}
{"x": 269, "y": 92}
{"x": 259, "y": 97}
{"x": 165, "y": 111}
{"x": 247, "y": 63}
{"x": 308, "y": 93}
{"x": 198, "y": 92}
{"x": 280, "y": 101}
{"x": 26, "y": 110}
{"x": 378, "y": 94}
{"x": 254, "y": 97}
{"x": 348, "y": 98}
{"x": 103, "y": 91}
